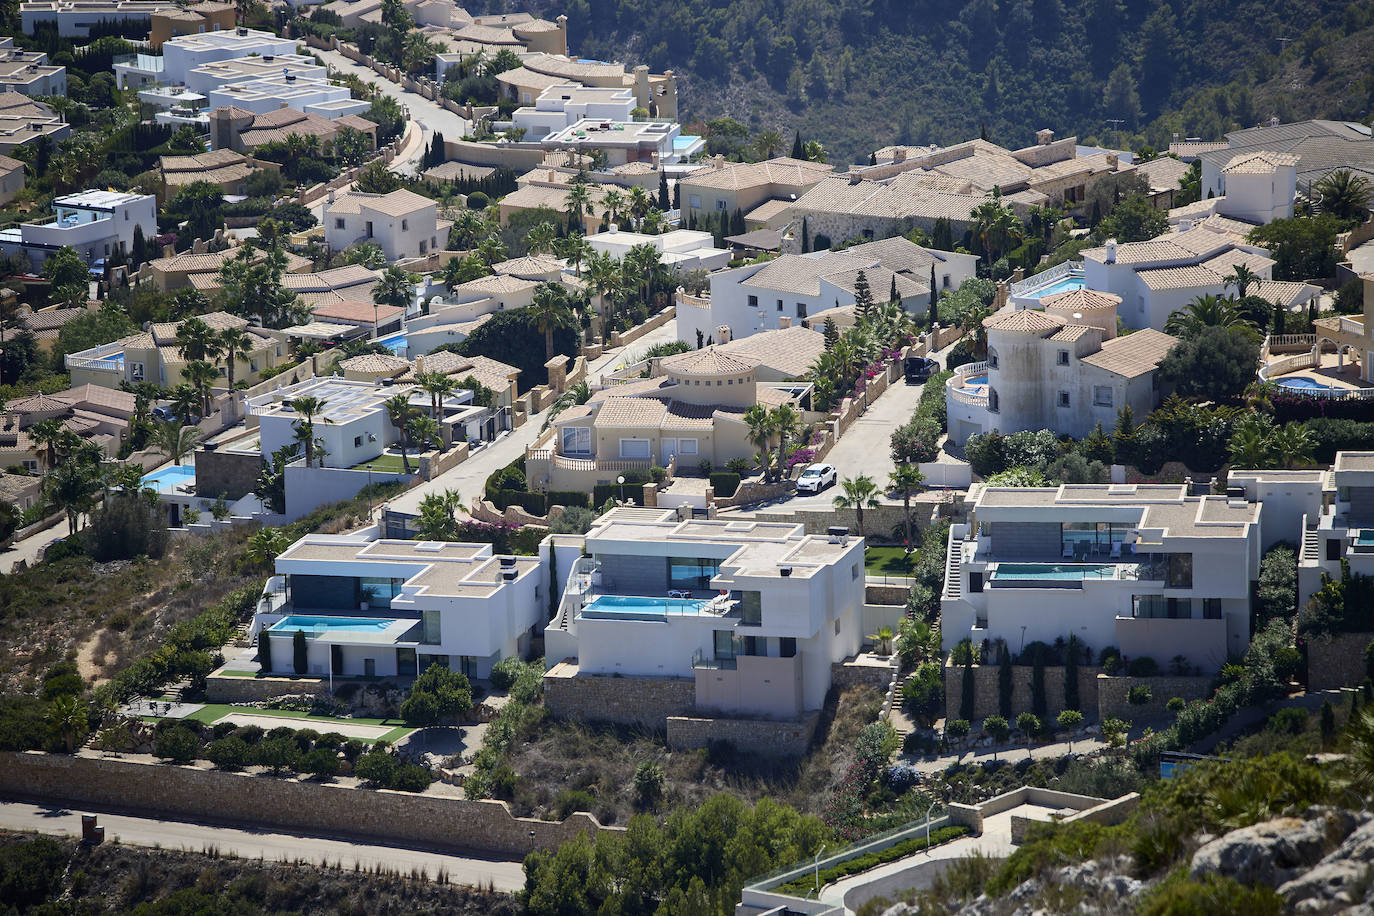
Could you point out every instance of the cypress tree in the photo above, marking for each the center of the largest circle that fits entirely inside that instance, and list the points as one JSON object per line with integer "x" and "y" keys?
{"x": 737, "y": 222}
{"x": 677, "y": 196}
{"x": 1004, "y": 686}
{"x": 966, "y": 694}
{"x": 264, "y": 652}
{"x": 138, "y": 252}
{"x": 1071, "y": 669}
{"x": 1311, "y": 312}
{"x": 1096, "y": 216}
{"x": 934, "y": 299}
{"x": 798, "y": 148}
{"x": 892, "y": 291}
{"x": 1039, "y": 703}
{"x": 806, "y": 236}
{"x": 298, "y": 650}
{"x": 663, "y": 190}
{"x": 872, "y": 158}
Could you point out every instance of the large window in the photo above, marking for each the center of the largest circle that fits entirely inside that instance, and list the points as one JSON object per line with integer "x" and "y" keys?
{"x": 1102, "y": 395}
{"x": 1180, "y": 571}
{"x": 1087, "y": 538}
{"x": 692, "y": 573}
{"x": 751, "y": 608}
{"x": 432, "y": 635}
{"x": 634, "y": 448}
{"x": 577, "y": 440}
{"x": 1161, "y": 607}
{"x": 378, "y": 592}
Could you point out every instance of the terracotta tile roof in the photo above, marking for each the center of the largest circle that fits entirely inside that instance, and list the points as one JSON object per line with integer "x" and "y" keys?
{"x": 39, "y": 403}
{"x": 202, "y": 161}
{"x": 879, "y": 282}
{"x": 1193, "y": 148}
{"x": 101, "y": 399}
{"x": 634, "y": 168}
{"x": 355, "y": 312}
{"x": 335, "y": 278}
{"x": 793, "y": 273}
{"x": 8, "y": 165}
{"x": 1287, "y": 293}
{"x": 735, "y": 176}
{"x": 496, "y": 283}
{"x": 1258, "y": 163}
{"x": 400, "y": 202}
{"x": 1227, "y": 261}
{"x": 790, "y": 352}
{"x": 1081, "y": 300}
{"x": 1133, "y": 354}
{"x": 1179, "y": 278}
{"x": 1072, "y": 332}
{"x": 709, "y": 361}
{"x": 15, "y": 487}
{"x": 638, "y": 413}
{"x": 1163, "y": 173}
{"x": 1219, "y": 223}
{"x": 448, "y": 171}
{"x": 580, "y": 412}
{"x": 493, "y": 373}
{"x": 682, "y": 416}
{"x": 536, "y": 265}
{"x": 50, "y": 319}
{"x": 1027, "y": 321}
{"x": 646, "y": 387}
{"x": 773, "y": 397}
{"x": 384, "y": 363}
{"x": 140, "y": 341}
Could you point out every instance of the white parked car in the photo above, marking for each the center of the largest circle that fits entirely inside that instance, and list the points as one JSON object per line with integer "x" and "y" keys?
{"x": 816, "y": 478}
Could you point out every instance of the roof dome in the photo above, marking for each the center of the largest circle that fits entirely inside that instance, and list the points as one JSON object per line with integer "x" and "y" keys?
{"x": 1081, "y": 300}
{"x": 1027, "y": 321}
{"x": 708, "y": 362}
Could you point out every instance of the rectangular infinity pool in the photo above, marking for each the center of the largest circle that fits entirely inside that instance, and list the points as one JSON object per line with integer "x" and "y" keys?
{"x": 317, "y": 625}
{"x": 1062, "y": 285}
{"x": 1033, "y": 574}
{"x": 635, "y": 607}
{"x": 1366, "y": 537}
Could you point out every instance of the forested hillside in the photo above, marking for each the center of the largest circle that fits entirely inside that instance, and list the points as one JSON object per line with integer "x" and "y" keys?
{"x": 856, "y": 74}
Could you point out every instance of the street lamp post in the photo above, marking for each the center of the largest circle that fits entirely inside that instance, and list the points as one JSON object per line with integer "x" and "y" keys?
{"x": 816, "y": 866}
{"x": 621, "y": 480}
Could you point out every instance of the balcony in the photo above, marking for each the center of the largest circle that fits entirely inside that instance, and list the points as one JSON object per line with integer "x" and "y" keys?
{"x": 960, "y": 389}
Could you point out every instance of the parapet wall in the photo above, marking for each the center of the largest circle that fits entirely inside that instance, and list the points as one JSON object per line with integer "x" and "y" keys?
{"x": 221, "y": 688}
{"x": 214, "y": 796}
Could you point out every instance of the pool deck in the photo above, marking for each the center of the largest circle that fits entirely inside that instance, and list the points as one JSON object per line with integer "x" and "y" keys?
{"x": 1348, "y": 377}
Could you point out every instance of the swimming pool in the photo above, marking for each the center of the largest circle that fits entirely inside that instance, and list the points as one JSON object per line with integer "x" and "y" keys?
{"x": 974, "y": 380}
{"x": 683, "y": 141}
{"x": 1303, "y": 383}
{"x": 396, "y": 343}
{"x": 1062, "y": 285}
{"x": 636, "y": 607}
{"x": 317, "y": 625}
{"x": 1365, "y": 537}
{"x": 170, "y": 478}
{"x": 1033, "y": 575}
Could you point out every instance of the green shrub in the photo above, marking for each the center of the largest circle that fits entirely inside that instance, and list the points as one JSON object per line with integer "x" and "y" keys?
{"x": 277, "y": 754}
{"x": 863, "y": 863}
{"x": 533, "y": 503}
{"x": 957, "y": 729}
{"x": 1047, "y": 847}
{"x": 568, "y": 498}
{"x": 725, "y": 483}
{"x": 1212, "y": 896}
{"x": 320, "y": 762}
{"x": 438, "y": 696}
{"x": 1139, "y": 695}
{"x": 230, "y": 753}
{"x": 1143, "y": 666}
{"x": 504, "y": 672}
{"x": 376, "y": 766}
{"x": 574, "y": 800}
{"x": 177, "y": 744}
{"x": 1175, "y": 705}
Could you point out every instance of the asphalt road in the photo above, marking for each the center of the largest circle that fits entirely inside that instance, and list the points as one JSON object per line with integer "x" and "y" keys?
{"x": 253, "y": 844}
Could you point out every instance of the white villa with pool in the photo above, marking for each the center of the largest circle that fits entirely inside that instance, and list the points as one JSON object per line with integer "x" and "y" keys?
{"x": 371, "y": 607}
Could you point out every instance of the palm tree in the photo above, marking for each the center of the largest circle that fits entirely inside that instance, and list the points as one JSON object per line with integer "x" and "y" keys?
{"x": 201, "y": 376}
{"x": 858, "y": 493}
{"x": 196, "y": 340}
{"x": 72, "y": 487}
{"x": 767, "y": 143}
{"x": 70, "y": 718}
{"x": 395, "y": 287}
{"x": 307, "y": 408}
{"x": 760, "y": 422}
{"x": 785, "y": 420}
{"x": 1344, "y": 195}
{"x": 884, "y": 640}
{"x": 185, "y": 402}
{"x": 469, "y": 227}
{"x": 640, "y": 202}
{"x": 578, "y": 201}
{"x": 540, "y": 238}
{"x": 234, "y": 345}
{"x": 906, "y": 479}
{"x": 644, "y": 263}
{"x": 401, "y": 413}
{"x": 574, "y": 249}
{"x": 1242, "y": 278}
{"x": 1251, "y": 443}
{"x": 174, "y": 440}
{"x": 550, "y": 311}
{"x": 1294, "y": 445}
{"x": 265, "y": 545}
{"x": 417, "y": 52}
{"x": 438, "y": 516}
{"x": 613, "y": 202}
{"x": 991, "y": 225}
{"x": 1205, "y": 312}
{"x": 1359, "y": 732}
{"x": 425, "y": 431}
{"x": 490, "y": 250}
{"x": 604, "y": 279}
{"x": 49, "y": 435}
{"x": 580, "y": 393}
{"x": 436, "y": 385}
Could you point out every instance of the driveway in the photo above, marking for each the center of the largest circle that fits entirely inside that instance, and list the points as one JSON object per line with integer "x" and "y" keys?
{"x": 431, "y": 116}
{"x": 58, "y": 820}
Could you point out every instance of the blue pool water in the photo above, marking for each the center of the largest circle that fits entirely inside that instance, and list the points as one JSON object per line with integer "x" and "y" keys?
{"x": 170, "y": 477}
{"x": 115, "y": 360}
{"x": 1062, "y": 285}
{"x": 1366, "y": 537}
{"x": 319, "y": 625}
{"x": 682, "y": 141}
{"x": 976, "y": 380}
{"x": 637, "y": 607}
{"x": 1054, "y": 572}
{"x": 1303, "y": 383}
{"x": 396, "y": 343}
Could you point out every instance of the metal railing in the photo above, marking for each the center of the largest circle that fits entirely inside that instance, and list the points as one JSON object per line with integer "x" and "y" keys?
{"x": 1047, "y": 277}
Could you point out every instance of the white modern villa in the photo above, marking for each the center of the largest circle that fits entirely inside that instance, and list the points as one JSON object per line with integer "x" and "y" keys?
{"x": 382, "y": 608}
{"x": 1338, "y": 526}
{"x": 1063, "y": 369}
{"x": 95, "y": 223}
{"x": 1146, "y": 568}
{"x": 754, "y": 613}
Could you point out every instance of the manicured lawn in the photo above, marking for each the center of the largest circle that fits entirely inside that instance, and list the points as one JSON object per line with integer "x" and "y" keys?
{"x": 388, "y": 464}
{"x": 213, "y": 712}
{"x": 889, "y": 561}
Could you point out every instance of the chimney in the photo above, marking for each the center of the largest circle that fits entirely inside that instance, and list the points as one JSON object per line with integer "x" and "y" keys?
{"x": 784, "y": 322}
{"x": 723, "y": 334}
{"x": 1111, "y": 251}
{"x": 330, "y": 197}
{"x": 1044, "y": 136}
{"x": 419, "y": 364}
{"x": 899, "y": 155}
{"x": 611, "y": 228}
{"x": 718, "y": 161}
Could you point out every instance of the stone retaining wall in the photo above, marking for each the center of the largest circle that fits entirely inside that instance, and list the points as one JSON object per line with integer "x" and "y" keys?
{"x": 222, "y": 689}
{"x": 844, "y": 676}
{"x": 642, "y": 701}
{"x": 886, "y": 594}
{"x": 986, "y": 695}
{"x": 1336, "y": 660}
{"x": 214, "y": 796}
{"x": 1112, "y": 693}
{"x": 761, "y": 737}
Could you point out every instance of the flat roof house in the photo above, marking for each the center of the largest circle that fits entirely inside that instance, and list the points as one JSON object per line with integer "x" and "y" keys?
{"x": 217, "y": 73}
{"x": 311, "y": 95}
{"x": 95, "y": 223}
{"x": 383, "y": 608}
{"x": 753, "y": 614}
{"x": 74, "y": 18}
{"x": 24, "y": 121}
{"x": 183, "y": 54}
{"x": 1338, "y": 527}
{"x": 402, "y": 222}
{"x": 1146, "y": 568}
{"x": 562, "y": 105}
{"x": 656, "y": 93}
{"x": 1063, "y": 369}
{"x": 681, "y": 249}
{"x": 654, "y": 142}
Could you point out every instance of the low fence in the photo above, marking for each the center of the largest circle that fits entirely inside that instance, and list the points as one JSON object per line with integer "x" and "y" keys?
{"x": 654, "y": 323}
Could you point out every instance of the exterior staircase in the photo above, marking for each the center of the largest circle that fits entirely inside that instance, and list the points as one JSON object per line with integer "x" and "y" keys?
{"x": 1311, "y": 545}
{"x": 954, "y": 561}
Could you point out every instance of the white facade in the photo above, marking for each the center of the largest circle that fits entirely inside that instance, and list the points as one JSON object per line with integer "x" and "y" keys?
{"x": 139, "y": 72}
{"x": 74, "y": 18}
{"x": 771, "y": 608}
{"x": 353, "y": 424}
{"x": 564, "y": 105}
{"x": 755, "y": 297}
{"x": 682, "y": 249}
{"x": 1145, "y": 568}
{"x": 653, "y": 142}
{"x": 95, "y": 223}
{"x": 1286, "y": 495}
{"x": 218, "y": 73}
{"x": 1339, "y": 526}
{"x": 403, "y": 223}
{"x": 184, "y": 53}
{"x": 312, "y": 96}
{"x": 1258, "y": 187}
{"x": 412, "y": 604}
{"x": 29, "y": 76}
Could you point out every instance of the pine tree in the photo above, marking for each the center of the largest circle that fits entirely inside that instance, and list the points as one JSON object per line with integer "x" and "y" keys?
{"x": 863, "y": 297}
{"x": 831, "y": 331}
{"x": 798, "y": 148}
{"x": 1124, "y": 436}
{"x": 663, "y": 190}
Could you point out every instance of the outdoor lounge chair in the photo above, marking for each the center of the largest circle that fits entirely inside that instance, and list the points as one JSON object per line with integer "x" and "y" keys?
{"x": 1116, "y": 550}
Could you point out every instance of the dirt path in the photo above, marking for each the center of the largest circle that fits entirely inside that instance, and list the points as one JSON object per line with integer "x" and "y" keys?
{"x": 88, "y": 665}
